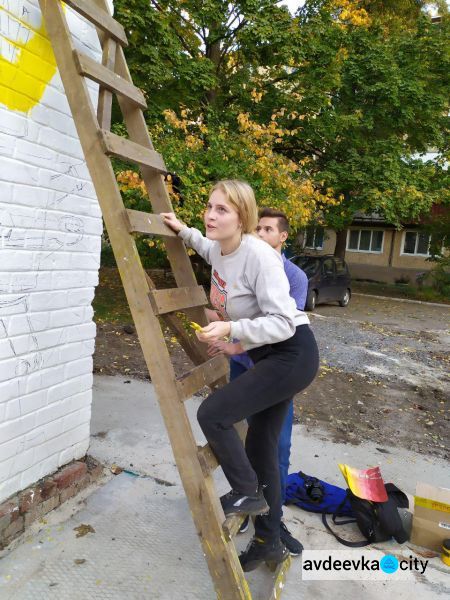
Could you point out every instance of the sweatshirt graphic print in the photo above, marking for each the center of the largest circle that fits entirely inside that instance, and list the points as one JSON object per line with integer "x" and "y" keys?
{"x": 218, "y": 295}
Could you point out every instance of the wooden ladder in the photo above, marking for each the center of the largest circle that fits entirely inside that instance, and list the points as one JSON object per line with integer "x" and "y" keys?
{"x": 195, "y": 464}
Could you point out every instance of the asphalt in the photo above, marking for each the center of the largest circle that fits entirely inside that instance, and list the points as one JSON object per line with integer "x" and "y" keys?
{"x": 144, "y": 543}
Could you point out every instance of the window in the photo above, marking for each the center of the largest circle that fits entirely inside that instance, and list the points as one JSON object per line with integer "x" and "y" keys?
{"x": 314, "y": 238}
{"x": 416, "y": 242}
{"x": 365, "y": 240}
{"x": 309, "y": 264}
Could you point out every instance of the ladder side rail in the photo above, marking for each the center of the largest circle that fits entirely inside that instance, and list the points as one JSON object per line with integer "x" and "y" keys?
{"x": 158, "y": 196}
{"x": 104, "y": 106}
{"x": 221, "y": 556}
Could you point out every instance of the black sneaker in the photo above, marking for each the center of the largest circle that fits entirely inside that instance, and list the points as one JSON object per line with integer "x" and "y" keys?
{"x": 294, "y": 546}
{"x": 235, "y": 503}
{"x": 259, "y": 551}
{"x": 244, "y": 525}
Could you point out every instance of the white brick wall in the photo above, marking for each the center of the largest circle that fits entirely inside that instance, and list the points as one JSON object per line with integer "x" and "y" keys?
{"x": 50, "y": 228}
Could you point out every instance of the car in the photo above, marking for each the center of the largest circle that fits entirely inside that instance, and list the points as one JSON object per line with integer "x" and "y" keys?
{"x": 328, "y": 279}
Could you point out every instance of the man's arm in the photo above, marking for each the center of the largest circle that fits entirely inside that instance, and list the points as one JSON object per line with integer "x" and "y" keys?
{"x": 298, "y": 284}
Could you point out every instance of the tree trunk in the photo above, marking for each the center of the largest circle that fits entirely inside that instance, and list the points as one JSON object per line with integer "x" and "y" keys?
{"x": 341, "y": 243}
{"x": 213, "y": 53}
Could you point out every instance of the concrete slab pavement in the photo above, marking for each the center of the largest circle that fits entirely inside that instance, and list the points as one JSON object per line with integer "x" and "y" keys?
{"x": 145, "y": 546}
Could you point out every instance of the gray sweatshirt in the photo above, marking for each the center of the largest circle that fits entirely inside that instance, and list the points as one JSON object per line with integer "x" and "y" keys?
{"x": 249, "y": 287}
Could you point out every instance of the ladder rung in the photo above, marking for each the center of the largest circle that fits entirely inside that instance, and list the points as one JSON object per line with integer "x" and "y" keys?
{"x": 116, "y": 145}
{"x": 142, "y": 222}
{"x": 108, "y": 79}
{"x": 205, "y": 374}
{"x": 278, "y": 577}
{"x": 231, "y": 526}
{"x": 207, "y": 460}
{"x": 100, "y": 18}
{"x": 164, "y": 301}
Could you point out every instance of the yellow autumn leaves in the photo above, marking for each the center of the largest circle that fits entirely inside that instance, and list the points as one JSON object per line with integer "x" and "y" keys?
{"x": 300, "y": 200}
{"x": 130, "y": 180}
{"x": 251, "y": 153}
{"x": 349, "y": 12}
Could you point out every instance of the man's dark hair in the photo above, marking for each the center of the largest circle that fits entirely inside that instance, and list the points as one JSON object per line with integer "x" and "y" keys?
{"x": 283, "y": 223}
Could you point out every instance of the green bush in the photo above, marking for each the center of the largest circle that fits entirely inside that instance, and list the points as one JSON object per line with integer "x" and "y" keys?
{"x": 440, "y": 276}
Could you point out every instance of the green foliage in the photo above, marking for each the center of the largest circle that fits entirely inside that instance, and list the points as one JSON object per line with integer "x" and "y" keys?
{"x": 359, "y": 90}
{"x": 179, "y": 51}
{"x": 207, "y": 154}
{"x": 438, "y": 226}
{"x": 440, "y": 276}
{"x": 388, "y": 102}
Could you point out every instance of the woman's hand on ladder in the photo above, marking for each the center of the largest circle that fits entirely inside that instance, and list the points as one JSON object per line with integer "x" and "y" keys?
{"x": 171, "y": 220}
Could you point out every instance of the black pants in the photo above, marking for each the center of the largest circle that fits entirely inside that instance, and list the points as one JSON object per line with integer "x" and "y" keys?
{"x": 264, "y": 392}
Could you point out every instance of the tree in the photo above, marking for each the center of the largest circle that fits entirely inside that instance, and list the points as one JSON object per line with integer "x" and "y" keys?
{"x": 386, "y": 102}
{"x": 204, "y": 53}
{"x": 357, "y": 89}
{"x": 207, "y": 153}
{"x": 205, "y": 68}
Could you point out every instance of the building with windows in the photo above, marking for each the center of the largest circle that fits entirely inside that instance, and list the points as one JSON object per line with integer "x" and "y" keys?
{"x": 375, "y": 249}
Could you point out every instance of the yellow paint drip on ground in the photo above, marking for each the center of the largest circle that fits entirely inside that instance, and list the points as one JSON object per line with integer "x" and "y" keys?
{"x": 24, "y": 78}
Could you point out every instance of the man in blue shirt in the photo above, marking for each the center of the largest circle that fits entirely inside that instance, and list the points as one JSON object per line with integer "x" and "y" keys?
{"x": 273, "y": 228}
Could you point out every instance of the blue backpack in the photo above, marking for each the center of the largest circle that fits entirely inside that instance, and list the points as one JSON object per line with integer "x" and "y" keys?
{"x": 317, "y": 496}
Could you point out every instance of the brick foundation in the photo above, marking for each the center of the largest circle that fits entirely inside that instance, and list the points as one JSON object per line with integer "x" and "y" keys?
{"x": 20, "y": 511}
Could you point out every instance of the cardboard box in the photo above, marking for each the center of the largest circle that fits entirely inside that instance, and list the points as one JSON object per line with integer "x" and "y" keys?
{"x": 431, "y": 519}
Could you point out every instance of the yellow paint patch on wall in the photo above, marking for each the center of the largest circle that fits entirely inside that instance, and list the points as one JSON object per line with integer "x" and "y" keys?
{"x": 28, "y": 67}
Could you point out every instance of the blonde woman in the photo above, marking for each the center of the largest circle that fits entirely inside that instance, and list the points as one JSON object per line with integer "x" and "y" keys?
{"x": 250, "y": 290}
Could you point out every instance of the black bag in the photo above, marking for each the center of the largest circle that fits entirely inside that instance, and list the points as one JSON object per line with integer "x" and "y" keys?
{"x": 377, "y": 521}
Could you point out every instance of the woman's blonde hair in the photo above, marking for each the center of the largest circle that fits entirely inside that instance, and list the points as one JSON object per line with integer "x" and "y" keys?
{"x": 240, "y": 194}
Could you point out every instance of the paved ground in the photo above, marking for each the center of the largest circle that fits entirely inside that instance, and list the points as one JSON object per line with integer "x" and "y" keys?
{"x": 413, "y": 316}
{"x": 144, "y": 545}
{"x": 385, "y": 373}
{"x": 389, "y": 338}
